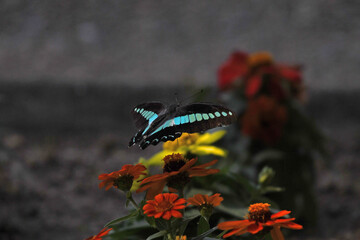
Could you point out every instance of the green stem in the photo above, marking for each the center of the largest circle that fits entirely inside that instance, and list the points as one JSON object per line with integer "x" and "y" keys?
{"x": 130, "y": 198}
{"x": 170, "y": 233}
{"x": 181, "y": 192}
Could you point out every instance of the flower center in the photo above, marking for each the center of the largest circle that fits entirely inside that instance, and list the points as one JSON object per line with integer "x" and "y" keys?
{"x": 124, "y": 182}
{"x": 259, "y": 212}
{"x": 164, "y": 206}
{"x": 173, "y": 162}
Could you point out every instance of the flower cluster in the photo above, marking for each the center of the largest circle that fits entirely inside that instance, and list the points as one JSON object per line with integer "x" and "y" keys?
{"x": 265, "y": 86}
{"x": 258, "y": 74}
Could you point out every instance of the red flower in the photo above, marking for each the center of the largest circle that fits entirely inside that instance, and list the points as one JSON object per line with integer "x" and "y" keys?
{"x": 264, "y": 119}
{"x": 177, "y": 173}
{"x": 101, "y": 234}
{"x": 234, "y": 68}
{"x": 258, "y": 218}
{"x": 266, "y": 80}
{"x": 123, "y": 178}
{"x": 261, "y": 75}
{"x": 165, "y": 205}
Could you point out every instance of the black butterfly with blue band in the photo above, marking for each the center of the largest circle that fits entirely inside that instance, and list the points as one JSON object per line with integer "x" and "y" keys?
{"x": 159, "y": 123}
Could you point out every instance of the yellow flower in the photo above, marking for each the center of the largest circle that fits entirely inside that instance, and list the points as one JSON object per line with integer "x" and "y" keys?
{"x": 194, "y": 143}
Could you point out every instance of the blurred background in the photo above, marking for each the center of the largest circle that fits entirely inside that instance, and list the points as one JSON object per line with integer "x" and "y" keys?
{"x": 71, "y": 71}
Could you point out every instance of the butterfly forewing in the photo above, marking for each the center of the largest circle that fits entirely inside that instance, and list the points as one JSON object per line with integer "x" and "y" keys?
{"x": 191, "y": 118}
{"x": 144, "y": 115}
{"x": 146, "y": 112}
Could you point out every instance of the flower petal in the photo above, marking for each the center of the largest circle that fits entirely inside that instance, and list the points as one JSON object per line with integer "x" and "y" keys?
{"x": 280, "y": 214}
{"x": 276, "y": 233}
{"x": 176, "y": 214}
{"x": 291, "y": 225}
{"x": 254, "y": 228}
{"x": 234, "y": 224}
{"x": 207, "y": 150}
{"x": 207, "y": 164}
{"x": 173, "y": 197}
{"x": 236, "y": 232}
{"x": 167, "y": 215}
{"x": 158, "y": 215}
{"x": 284, "y": 220}
{"x": 160, "y": 197}
{"x": 188, "y": 165}
{"x": 209, "y": 138}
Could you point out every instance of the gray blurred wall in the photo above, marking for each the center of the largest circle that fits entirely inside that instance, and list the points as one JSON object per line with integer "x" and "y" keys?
{"x": 172, "y": 42}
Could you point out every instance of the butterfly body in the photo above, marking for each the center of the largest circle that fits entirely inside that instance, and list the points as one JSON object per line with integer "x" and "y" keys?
{"x": 158, "y": 123}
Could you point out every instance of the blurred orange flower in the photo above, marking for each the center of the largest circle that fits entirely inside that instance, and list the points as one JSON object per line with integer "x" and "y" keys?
{"x": 205, "y": 200}
{"x": 101, "y": 234}
{"x": 123, "y": 178}
{"x": 259, "y": 217}
{"x": 177, "y": 172}
{"x": 264, "y": 119}
{"x": 164, "y": 205}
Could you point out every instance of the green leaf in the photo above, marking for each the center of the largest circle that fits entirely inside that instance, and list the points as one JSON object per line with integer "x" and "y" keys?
{"x": 205, "y": 234}
{"x": 156, "y": 235}
{"x": 184, "y": 224}
{"x": 203, "y": 226}
{"x": 118, "y": 220}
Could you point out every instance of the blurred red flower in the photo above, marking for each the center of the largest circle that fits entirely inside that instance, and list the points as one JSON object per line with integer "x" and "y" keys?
{"x": 234, "y": 68}
{"x": 264, "y": 119}
{"x": 259, "y": 74}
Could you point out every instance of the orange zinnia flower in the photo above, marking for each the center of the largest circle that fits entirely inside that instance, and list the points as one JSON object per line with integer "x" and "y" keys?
{"x": 101, "y": 234}
{"x": 205, "y": 203}
{"x": 259, "y": 217}
{"x": 177, "y": 172}
{"x": 122, "y": 179}
{"x": 201, "y": 200}
{"x": 164, "y": 205}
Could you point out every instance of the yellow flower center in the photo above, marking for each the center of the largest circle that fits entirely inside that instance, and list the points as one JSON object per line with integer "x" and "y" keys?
{"x": 164, "y": 206}
{"x": 259, "y": 212}
{"x": 259, "y": 58}
{"x": 185, "y": 140}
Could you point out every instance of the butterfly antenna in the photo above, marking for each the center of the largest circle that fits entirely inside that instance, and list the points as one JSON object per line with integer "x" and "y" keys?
{"x": 176, "y": 98}
{"x": 194, "y": 95}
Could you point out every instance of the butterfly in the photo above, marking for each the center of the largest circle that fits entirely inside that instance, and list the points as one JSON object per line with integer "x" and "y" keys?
{"x": 159, "y": 123}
